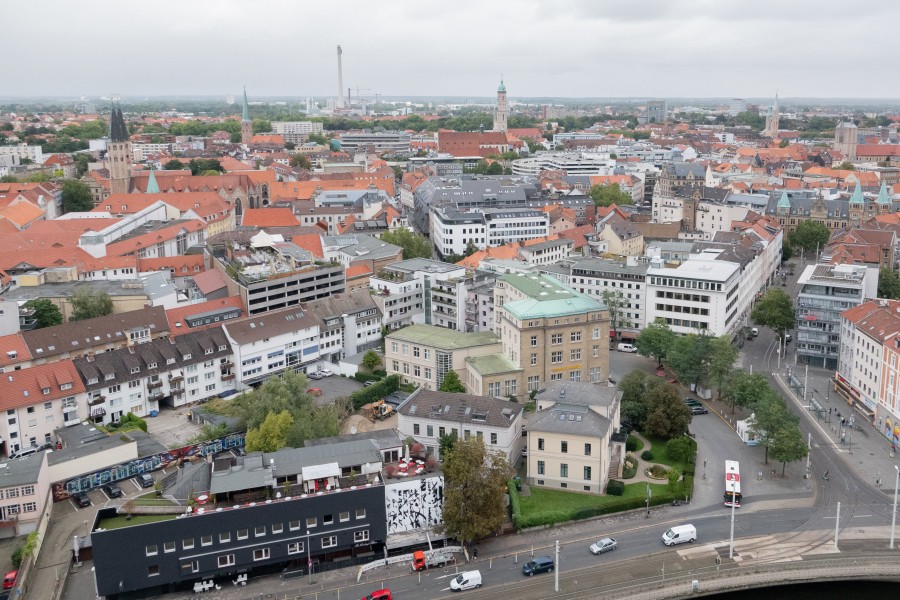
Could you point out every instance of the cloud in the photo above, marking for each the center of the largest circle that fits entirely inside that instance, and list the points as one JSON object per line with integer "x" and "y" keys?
{"x": 574, "y": 48}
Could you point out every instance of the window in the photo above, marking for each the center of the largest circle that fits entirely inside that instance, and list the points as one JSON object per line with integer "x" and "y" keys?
{"x": 427, "y": 373}
{"x": 206, "y": 540}
{"x": 564, "y": 447}
{"x": 596, "y": 334}
{"x": 360, "y": 513}
{"x": 533, "y": 359}
{"x": 187, "y": 543}
{"x": 329, "y": 541}
{"x": 259, "y": 530}
{"x": 294, "y": 525}
{"x": 540, "y": 443}
{"x": 587, "y": 473}
{"x": 192, "y": 565}
{"x": 226, "y": 560}
{"x": 261, "y": 554}
{"x": 540, "y": 467}
{"x": 575, "y": 354}
{"x": 344, "y": 516}
{"x": 534, "y": 382}
{"x": 152, "y": 550}
{"x": 442, "y": 431}
{"x": 416, "y": 351}
{"x": 225, "y": 537}
{"x": 494, "y": 438}
{"x": 587, "y": 449}
{"x": 563, "y": 470}
{"x": 277, "y": 528}
{"x": 295, "y": 547}
{"x": 361, "y": 536}
{"x": 534, "y": 341}
{"x": 169, "y": 547}
{"x": 311, "y": 522}
{"x": 328, "y": 520}
{"x": 243, "y": 534}
{"x": 394, "y": 347}
{"x": 415, "y": 429}
{"x": 556, "y": 357}
{"x": 429, "y": 430}
{"x": 556, "y": 339}
{"x": 575, "y": 336}
{"x": 152, "y": 570}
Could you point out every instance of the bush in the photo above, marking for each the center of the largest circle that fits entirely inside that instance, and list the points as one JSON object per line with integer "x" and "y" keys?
{"x": 615, "y": 487}
{"x": 514, "y": 506}
{"x": 375, "y": 392}
{"x": 647, "y": 455}
{"x": 632, "y": 443}
{"x": 629, "y": 469}
{"x": 680, "y": 449}
{"x": 379, "y": 373}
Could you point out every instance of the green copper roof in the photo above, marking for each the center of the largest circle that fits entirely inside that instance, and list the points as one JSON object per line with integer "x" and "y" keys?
{"x": 857, "y": 197}
{"x": 546, "y": 297}
{"x": 442, "y": 338}
{"x": 152, "y": 185}
{"x": 784, "y": 202}
{"x": 502, "y": 87}
{"x": 246, "y": 115}
{"x": 492, "y": 364}
{"x": 883, "y": 196}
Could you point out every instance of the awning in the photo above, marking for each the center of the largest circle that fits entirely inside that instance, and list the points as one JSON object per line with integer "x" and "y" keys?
{"x": 320, "y": 471}
{"x": 98, "y": 411}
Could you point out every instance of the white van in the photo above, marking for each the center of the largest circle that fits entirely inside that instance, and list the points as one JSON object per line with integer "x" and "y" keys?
{"x": 679, "y": 535}
{"x": 626, "y": 347}
{"x": 466, "y": 580}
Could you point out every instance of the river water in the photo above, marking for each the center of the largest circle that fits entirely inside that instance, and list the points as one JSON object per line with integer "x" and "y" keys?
{"x": 838, "y": 590}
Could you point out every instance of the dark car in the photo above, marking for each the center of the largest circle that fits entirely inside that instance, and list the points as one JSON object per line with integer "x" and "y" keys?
{"x": 112, "y": 490}
{"x": 540, "y": 564}
{"x": 691, "y": 402}
{"x": 81, "y": 499}
{"x": 144, "y": 480}
{"x": 698, "y": 410}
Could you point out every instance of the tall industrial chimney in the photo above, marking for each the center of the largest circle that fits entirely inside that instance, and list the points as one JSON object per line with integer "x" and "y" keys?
{"x": 340, "y": 95}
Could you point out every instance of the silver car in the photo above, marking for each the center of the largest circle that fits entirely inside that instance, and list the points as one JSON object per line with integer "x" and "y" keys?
{"x": 604, "y": 545}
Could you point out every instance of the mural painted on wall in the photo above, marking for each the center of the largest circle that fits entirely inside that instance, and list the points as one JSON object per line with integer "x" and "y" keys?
{"x": 146, "y": 464}
{"x": 415, "y": 504}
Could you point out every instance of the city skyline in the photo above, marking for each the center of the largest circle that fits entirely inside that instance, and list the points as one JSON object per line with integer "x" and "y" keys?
{"x": 569, "y": 49}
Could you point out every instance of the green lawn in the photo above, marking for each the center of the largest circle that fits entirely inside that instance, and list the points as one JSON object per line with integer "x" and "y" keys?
{"x": 658, "y": 447}
{"x": 120, "y": 521}
{"x": 152, "y": 500}
{"x": 639, "y": 442}
{"x": 542, "y": 499}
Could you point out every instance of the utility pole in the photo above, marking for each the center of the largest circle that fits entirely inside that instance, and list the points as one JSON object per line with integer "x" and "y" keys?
{"x": 894, "y": 514}
{"x": 556, "y": 570}
{"x": 837, "y": 522}
{"x": 731, "y": 542}
{"x": 808, "y": 451}
{"x": 805, "y": 383}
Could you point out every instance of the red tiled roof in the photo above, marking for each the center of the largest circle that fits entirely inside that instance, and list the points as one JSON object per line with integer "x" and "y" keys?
{"x": 25, "y": 387}
{"x": 13, "y": 343}
{"x": 181, "y": 266}
{"x": 176, "y": 316}
{"x": 210, "y": 281}
{"x": 269, "y": 217}
{"x": 311, "y": 243}
{"x": 358, "y": 270}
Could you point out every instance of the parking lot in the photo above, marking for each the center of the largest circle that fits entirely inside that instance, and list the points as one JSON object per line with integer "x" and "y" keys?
{"x": 334, "y": 387}
{"x": 171, "y": 427}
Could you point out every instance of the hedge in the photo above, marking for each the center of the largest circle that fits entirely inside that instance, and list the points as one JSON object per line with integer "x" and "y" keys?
{"x": 375, "y": 392}
{"x": 647, "y": 455}
{"x": 364, "y": 377}
{"x": 615, "y": 487}
{"x": 631, "y": 443}
{"x": 514, "y": 506}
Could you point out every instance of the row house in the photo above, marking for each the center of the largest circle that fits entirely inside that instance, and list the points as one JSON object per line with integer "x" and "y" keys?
{"x": 38, "y": 400}
{"x": 349, "y": 323}
{"x": 166, "y": 371}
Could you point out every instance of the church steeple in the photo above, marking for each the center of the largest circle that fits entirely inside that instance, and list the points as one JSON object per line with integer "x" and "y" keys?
{"x": 118, "y": 151}
{"x": 246, "y": 123}
{"x": 502, "y": 113}
{"x": 857, "y": 196}
{"x": 152, "y": 185}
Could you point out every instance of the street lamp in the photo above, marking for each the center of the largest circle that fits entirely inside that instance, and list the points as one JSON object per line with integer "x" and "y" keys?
{"x": 309, "y": 563}
{"x": 894, "y": 514}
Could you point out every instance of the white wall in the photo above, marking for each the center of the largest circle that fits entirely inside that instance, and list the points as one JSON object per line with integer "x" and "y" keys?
{"x": 414, "y": 504}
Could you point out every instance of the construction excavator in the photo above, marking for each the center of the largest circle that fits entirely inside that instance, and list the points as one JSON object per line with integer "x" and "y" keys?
{"x": 378, "y": 411}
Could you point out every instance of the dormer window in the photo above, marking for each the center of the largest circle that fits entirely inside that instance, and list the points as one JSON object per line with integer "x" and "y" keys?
{"x": 92, "y": 381}
{"x": 109, "y": 377}
{"x": 135, "y": 370}
{"x": 45, "y": 391}
{"x": 187, "y": 357}
{"x": 170, "y": 361}
{"x": 221, "y": 348}
{"x": 65, "y": 386}
{"x": 209, "y": 351}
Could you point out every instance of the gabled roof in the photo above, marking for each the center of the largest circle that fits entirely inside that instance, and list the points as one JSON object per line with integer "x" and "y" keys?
{"x": 26, "y": 387}
{"x": 460, "y": 408}
{"x": 13, "y": 349}
{"x": 269, "y": 217}
{"x": 177, "y": 316}
{"x": 210, "y": 281}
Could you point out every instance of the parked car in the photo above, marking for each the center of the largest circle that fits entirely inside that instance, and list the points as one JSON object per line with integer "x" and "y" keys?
{"x": 25, "y": 452}
{"x": 9, "y": 581}
{"x": 112, "y": 490}
{"x": 384, "y": 594}
{"x": 606, "y": 544}
{"x": 314, "y": 375}
{"x": 81, "y": 499}
{"x": 144, "y": 480}
{"x": 625, "y": 347}
{"x": 692, "y": 402}
{"x": 754, "y": 331}
{"x": 699, "y": 410}
{"x": 540, "y": 564}
{"x": 314, "y": 392}
{"x": 680, "y": 534}
{"x": 325, "y": 372}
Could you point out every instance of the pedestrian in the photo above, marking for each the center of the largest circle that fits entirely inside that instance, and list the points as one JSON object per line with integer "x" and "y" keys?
{"x": 475, "y": 553}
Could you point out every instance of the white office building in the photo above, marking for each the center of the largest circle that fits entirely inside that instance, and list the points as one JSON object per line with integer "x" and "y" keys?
{"x": 453, "y": 230}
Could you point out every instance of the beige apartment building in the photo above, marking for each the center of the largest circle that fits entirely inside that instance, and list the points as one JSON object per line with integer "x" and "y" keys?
{"x": 571, "y": 438}
{"x": 551, "y": 331}
{"x": 423, "y": 354}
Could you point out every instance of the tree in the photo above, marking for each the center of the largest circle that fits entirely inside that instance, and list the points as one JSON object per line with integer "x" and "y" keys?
{"x": 76, "y": 196}
{"x": 786, "y": 252}
{"x": 46, "y": 313}
{"x": 261, "y": 126}
{"x": 690, "y": 357}
{"x": 776, "y": 311}
{"x": 769, "y": 415}
{"x": 847, "y": 166}
{"x": 676, "y": 484}
{"x": 744, "y": 389}
{"x": 681, "y": 449}
{"x": 298, "y": 160}
{"x": 614, "y": 303}
{"x": 8, "y": 179}
{"x": 721, "y": 362}
{"x": 88, "y": 304}
{"x": 655, "y": 341}
{"x": 413, "y": 244}
{"x": 38, "y": 177}
{"x": 888, "y": 284}
{"x": 788, "y": 445}
{"x": 667, "y": 416}
{"x": 474, "y": 490}
{"x": 317, "y": 139}
{"x": 451, "y": 383}
{"x": 609, "y": 194}
{"x": 272, "y": 433}
{"x": 371, "y": 360}
{"x": 173, "y": 165}
{"x": 445, "y": 444}
{"x": 809, "y": 235}
{"x": 634, "y": 387}
{"x": 201, "y": 165}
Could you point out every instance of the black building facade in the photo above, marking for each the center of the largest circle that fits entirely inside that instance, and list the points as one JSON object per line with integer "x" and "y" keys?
{"x": 144, "y": 560}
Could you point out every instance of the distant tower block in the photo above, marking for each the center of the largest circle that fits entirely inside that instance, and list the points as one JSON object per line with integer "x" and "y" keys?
{"x": 340, "y": 95}
{"x": 119, "y": 152}
{"x": 246, "y": 123}
{"x": 772, "y": 120}
{"x": 502, "y": 112}
{"x": 846, "y": 137}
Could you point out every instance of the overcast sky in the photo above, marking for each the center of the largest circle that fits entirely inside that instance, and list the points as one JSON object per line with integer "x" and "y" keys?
{"x": 563, "y": 48}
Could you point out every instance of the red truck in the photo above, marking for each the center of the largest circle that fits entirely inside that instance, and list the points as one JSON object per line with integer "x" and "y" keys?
{"x": 432, "y": 558}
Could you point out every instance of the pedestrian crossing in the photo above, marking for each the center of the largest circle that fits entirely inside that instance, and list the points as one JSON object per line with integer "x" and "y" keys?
{"x": 762, "y": 549}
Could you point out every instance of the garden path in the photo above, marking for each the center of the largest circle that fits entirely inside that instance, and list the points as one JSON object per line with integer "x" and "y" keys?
{"x": 643, "y": 465}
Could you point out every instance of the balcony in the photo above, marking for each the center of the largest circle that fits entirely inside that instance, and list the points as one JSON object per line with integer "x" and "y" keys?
{"x": 155, "y": 396}
{"x": 96, "y": 401}
{"x": 227, "y": 376}
{"x": 152, "y": 385}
